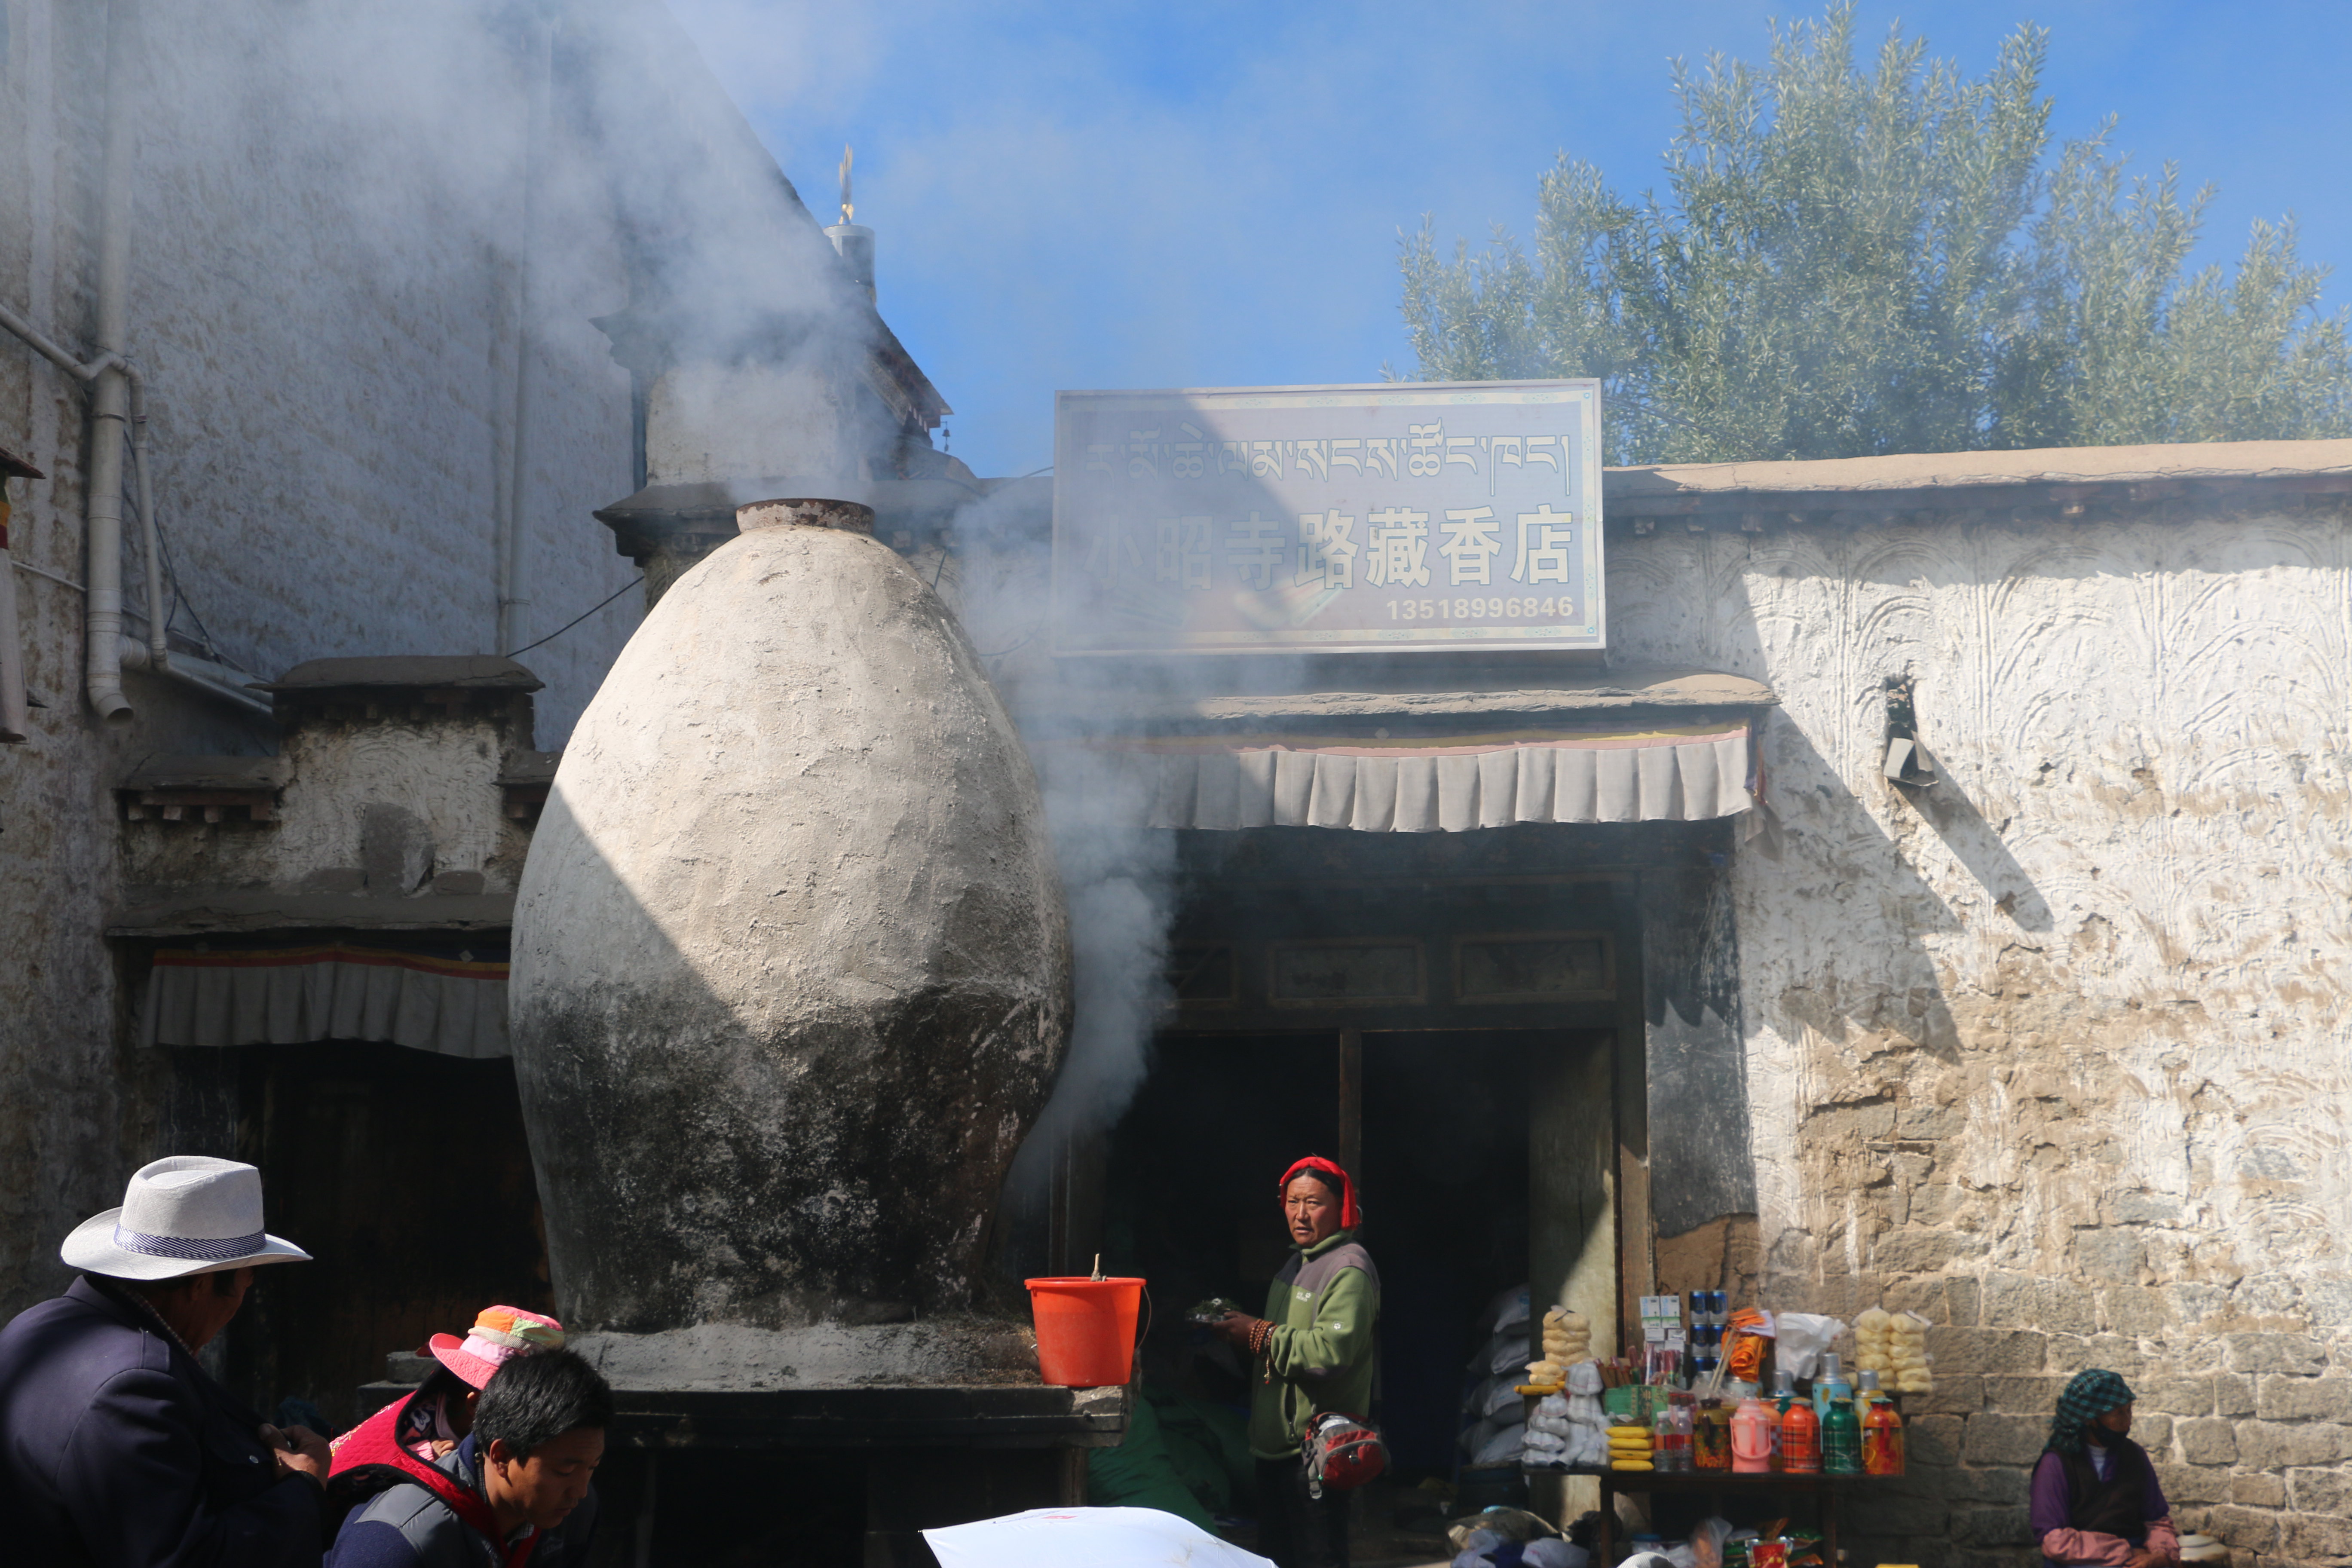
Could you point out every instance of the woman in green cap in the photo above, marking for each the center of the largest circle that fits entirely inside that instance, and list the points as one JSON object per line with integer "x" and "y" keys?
{"x": 2096, "y": 1498}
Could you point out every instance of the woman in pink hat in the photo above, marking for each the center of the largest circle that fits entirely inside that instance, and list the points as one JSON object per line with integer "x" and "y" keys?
{"x": 433, "y": 1420}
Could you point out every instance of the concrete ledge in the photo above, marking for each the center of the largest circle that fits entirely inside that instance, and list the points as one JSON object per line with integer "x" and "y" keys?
{"x": 1000, "y": 1416}
{"x": 212, "y": 911}
{"x": 1935, "y": 481}
{"x": 1407, "y": 696}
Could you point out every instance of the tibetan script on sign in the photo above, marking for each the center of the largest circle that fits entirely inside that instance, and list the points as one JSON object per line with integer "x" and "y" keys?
{"x": 1328, "y": 519}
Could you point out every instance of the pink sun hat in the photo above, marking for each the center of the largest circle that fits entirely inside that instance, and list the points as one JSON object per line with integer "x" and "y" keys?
{"x": 498, "y": 1336}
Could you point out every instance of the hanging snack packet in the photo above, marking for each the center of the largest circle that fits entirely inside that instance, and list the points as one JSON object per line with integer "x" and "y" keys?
{"x": 1750, "y": 1335}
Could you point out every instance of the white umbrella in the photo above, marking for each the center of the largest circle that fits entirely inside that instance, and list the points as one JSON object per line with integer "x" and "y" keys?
{"x": 1084, "y": 1537}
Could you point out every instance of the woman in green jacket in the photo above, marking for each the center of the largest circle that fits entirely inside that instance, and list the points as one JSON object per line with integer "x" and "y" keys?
{"x": 1311, "y": 1354}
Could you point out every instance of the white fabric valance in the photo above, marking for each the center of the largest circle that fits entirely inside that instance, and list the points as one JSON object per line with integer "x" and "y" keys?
{"x": 333, "y": 991}
{"x": 1445, "y": 785}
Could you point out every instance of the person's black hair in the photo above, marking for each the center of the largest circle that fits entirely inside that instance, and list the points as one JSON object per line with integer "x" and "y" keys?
{"x": 537, "y": 1398}
{"x": 441, "y": 1380}
{"x": 223, "y": 1283}
{"x": 1330, "y": 1181}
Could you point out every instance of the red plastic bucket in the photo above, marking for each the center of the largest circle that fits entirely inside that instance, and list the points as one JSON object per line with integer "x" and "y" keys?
{"x": 1085, "y": 1330}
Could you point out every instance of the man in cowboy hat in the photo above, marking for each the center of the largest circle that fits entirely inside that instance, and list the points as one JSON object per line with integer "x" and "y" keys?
{"x": 116, "y": 1447}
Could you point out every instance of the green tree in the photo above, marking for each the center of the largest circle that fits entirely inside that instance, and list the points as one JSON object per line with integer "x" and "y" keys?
{"x": 1850, "y": 262}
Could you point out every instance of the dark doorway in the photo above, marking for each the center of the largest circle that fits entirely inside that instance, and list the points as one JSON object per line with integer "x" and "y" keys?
{"x": 407, "y": 1177}
{"x": 1191, "y": 1205}
{"x": 1446, "y": 1216}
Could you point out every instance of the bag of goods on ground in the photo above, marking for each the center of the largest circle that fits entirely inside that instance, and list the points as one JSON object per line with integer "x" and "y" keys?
{"x": 1485, "y": 1549}
{"x": 1508, "y": 1350}
{"x": 1509, "y": 1310}
{"x": 1895, "y": 1346}
{"x": 1495, "y": 1440}
{"x": 1500, "y": 1392}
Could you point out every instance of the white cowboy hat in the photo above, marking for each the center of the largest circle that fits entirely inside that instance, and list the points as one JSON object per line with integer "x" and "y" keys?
{"x": 186, "y": 1214}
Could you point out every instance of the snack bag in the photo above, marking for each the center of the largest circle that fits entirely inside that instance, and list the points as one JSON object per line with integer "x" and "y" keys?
{"x": 1751, "y": 1331}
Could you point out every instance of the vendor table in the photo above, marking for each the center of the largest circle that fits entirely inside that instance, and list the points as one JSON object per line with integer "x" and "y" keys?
{"x": 1718, "y": 1485}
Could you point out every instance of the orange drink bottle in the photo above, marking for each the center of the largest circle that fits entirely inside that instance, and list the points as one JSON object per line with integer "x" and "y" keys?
{"x": 1801, "y": 1440}
{"x": 1881, "y": 1440}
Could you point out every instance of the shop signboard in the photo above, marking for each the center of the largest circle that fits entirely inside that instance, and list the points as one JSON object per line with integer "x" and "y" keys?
{"x": 1399, "y": 517}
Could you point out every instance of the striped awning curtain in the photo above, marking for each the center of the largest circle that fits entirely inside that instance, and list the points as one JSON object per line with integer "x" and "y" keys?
{"x": 333, "y": 991}
{"x": 1448, "y": 784}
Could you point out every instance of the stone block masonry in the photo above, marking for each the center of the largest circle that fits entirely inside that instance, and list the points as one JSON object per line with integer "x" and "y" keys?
{"x": 2053, "y": 1053}
{"x": 2269, "y": 1476}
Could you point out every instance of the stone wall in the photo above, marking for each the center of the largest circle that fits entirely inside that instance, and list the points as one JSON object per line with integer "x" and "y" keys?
{"x": 2056, "y": 1052}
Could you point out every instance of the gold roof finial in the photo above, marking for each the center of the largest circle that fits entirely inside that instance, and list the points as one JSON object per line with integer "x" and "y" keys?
{"x": 848, "y": 210}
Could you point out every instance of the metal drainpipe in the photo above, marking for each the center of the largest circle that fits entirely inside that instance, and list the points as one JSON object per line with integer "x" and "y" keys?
{"x": 150, "y": 541}
{"x": 15, "y": 724}
{"x": 110, "y": 403}
{"x": 152, "y": 655}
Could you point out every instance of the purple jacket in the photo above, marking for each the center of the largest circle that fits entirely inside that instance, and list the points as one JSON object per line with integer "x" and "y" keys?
{"x": 2050, "y": 1512}
{"x": 117, "y": 1450}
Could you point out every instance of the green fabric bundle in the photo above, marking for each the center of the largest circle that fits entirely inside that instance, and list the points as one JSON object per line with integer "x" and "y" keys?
{"x": 2087, "y": 1396}
{"x": 1183, "y": 1456}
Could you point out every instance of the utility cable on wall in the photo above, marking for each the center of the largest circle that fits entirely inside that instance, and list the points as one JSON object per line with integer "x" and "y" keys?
{"x": 180, "y": 600}
{"x": 578, "y": 619}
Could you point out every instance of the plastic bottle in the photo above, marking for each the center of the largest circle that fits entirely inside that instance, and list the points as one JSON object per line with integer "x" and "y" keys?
{"x": 1670, "y": 1438}
{"x": 1830, "y": 1384}
{"x": 1842, "y": 1439}
{"x": 1883, "y": 1440}
{"x": 1801, "y": 1440}
{"x": 1755, "y": 1431}
{"x": 1711, "y": 1436}
{"x": 1784, "y": 1394}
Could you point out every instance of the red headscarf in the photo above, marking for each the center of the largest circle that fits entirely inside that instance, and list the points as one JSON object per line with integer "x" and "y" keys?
{"x": 1351, "y": 1216}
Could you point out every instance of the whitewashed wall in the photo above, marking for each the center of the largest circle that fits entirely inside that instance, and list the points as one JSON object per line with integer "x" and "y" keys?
{"x": 2059, "y": 1052}
{"x": 324, "y": 297}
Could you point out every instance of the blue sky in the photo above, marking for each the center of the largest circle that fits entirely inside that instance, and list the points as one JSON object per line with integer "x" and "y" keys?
{"x": 1115, "y": 195}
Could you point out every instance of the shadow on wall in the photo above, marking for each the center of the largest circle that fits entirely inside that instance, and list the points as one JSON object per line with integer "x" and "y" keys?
{"x": 1978, "y": 845}
{"x": 1883, "y": 910}
{"x": 1699, "y": 1140}
{"x": 1831, "y": 919}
